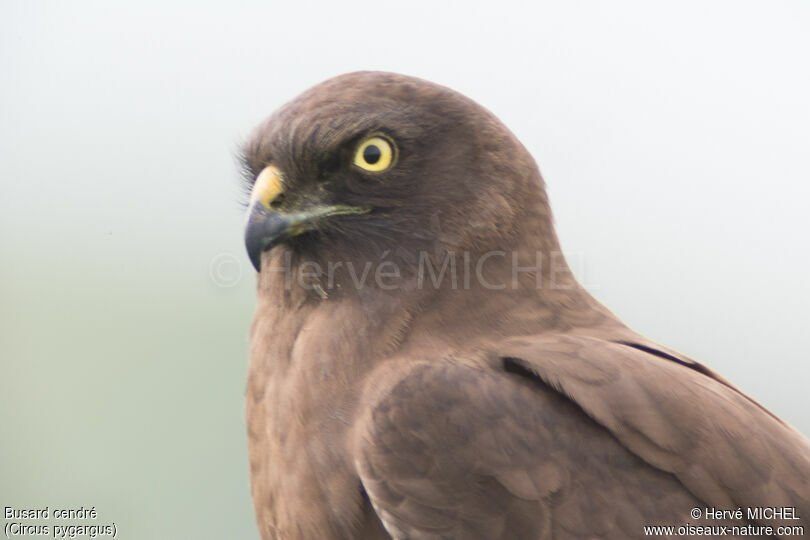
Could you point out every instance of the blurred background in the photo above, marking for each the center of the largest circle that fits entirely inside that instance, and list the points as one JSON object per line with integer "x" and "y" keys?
{"x": 674, "y": 140}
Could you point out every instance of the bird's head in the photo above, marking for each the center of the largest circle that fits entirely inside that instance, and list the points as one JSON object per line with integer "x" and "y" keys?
{"x": 383, "y": 162}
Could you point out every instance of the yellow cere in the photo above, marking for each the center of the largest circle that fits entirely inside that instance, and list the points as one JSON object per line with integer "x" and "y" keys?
{"x": 375, "y": 154}
{"x": 268, "y": 186}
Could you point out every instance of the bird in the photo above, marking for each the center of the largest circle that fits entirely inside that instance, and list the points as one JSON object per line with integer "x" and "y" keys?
{"x": 423, "y": 364}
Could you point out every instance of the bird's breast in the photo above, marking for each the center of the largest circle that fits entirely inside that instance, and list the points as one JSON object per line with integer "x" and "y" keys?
{"x": 307, "y": 367}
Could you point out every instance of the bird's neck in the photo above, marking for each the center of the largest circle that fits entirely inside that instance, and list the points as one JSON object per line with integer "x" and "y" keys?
{"x": 524, "y": 287}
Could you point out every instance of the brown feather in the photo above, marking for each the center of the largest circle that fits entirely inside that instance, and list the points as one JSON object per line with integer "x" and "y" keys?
{"x": 458, "y": 409}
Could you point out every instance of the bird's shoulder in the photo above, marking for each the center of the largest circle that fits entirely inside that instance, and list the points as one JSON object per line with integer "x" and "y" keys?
{"x": 519, "y": 429}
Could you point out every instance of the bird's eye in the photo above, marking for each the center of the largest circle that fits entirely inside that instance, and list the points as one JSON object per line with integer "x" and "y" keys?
{"x": 375, "y": 154}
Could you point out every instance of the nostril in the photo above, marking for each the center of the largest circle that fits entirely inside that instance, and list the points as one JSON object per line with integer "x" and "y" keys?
{"x": 277, "y": 202}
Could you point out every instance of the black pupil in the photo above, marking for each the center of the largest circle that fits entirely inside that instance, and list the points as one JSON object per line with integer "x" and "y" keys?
{"x": 372, "y": 154}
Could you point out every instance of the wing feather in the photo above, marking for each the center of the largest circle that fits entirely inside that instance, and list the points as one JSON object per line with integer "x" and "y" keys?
{"x": 565, "y": 436}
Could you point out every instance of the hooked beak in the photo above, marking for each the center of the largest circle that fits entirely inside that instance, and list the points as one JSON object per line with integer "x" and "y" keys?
{"x": 268, "y": 225}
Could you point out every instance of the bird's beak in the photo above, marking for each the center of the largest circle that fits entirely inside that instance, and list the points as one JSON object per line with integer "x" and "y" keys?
{"x": 268, "y": 226}
{"x": 265, "y": 227}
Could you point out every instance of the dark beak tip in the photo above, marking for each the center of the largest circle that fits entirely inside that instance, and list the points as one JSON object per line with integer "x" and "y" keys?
{"x": 256, "y": 260}
{"x": 263, "y": 230}
{"x": 255, "y": 245}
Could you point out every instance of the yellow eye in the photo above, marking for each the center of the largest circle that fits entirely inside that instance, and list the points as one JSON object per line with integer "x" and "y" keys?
{"x": 375, "y": 154}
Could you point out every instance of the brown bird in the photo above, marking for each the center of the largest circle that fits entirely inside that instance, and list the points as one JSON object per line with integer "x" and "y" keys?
{"x": 424, "y": 365}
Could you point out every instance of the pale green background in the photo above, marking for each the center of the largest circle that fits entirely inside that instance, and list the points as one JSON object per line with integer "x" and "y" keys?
{"x": 675, "y": 141}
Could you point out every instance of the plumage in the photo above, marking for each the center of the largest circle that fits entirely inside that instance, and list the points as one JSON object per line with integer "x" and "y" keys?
{"x": 424, "y": 365}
